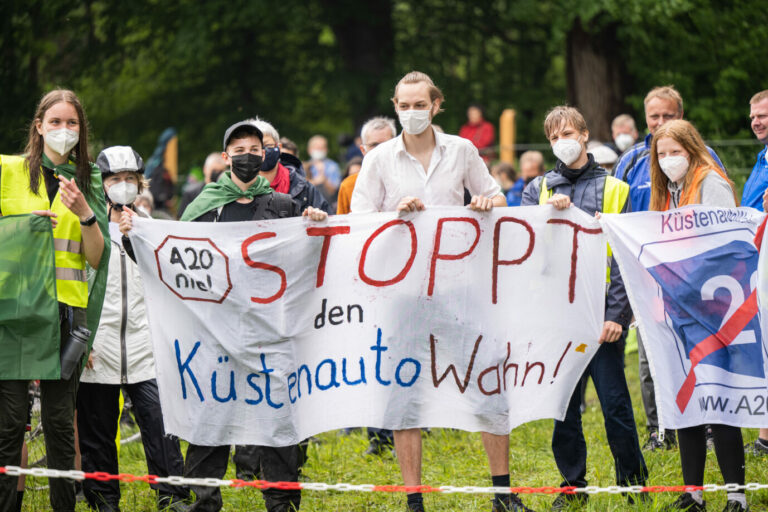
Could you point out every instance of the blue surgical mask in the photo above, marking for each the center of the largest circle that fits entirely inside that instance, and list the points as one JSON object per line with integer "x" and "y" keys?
{"x": 271, "y": 157}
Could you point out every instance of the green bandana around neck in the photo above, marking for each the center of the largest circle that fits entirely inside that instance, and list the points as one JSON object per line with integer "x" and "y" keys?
{"x": 223, "y": 192}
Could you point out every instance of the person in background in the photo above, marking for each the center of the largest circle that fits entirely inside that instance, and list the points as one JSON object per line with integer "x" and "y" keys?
{"x": 604, "y": 155}
{"x": 285, "y": 178}
{"x": 374, "y": 132}
{"x": 683, "y": 173}
{"x": 290, "y": 147}
{"x": 324, "y": 173}
{"x": 353, "y": 167}
{"x": 122, "y": 359}
{"x": 424, "y": 167}
{"x": 531, "y": 166}
{"x": 757, "y": 183}
{"x": 479, "y": 131}
{"x": 578, "y": 180}
{"x": 212, "y": 169}
{"x": 624, "y": 133}
{"x": 144, "y": 203}
{"x": 56, "y": 179}
{"x": 505, "y": 175}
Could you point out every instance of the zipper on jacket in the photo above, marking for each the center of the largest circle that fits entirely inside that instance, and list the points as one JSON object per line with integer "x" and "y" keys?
{"x": 123, "y": 320}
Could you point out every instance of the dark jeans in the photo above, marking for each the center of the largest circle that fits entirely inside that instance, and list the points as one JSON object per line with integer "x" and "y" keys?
{"x": 97, "y": 421}
{"x": 568, "y": 445}
{"x": 272, "y": 464}
{"x": 646, "y": 386}
{"x": 57, "y": 400}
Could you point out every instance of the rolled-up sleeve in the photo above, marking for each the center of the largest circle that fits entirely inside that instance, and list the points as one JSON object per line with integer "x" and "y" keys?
{"x": 368, "y": 195}
{"x": 477, "y": 179}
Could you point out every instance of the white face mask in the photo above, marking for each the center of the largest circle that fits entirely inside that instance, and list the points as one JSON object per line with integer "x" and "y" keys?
{"x": 623, "y": 141}
{"x": 62, "y": 140}
{"x": 567, "y": 150}
{"x": 318, "y": 155}
{"x": 675, "y": 167}
{"x": 123, "y": 193}
{"x": 414, "y": 122}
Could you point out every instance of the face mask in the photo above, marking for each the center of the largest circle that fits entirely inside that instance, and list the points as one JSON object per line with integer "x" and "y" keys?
{"x": 215, "y": 176}
{"x": 272, "y": 155}
{"x": 414, "y": 122}
{"x": 317, "y": 155}
{"x": 567, "y": 150}
{"x": 675, "y": 167}
{"x": 623, "y": 141}
{"x": 246, "y": 166}
{"x": 62, "y": 140}
{"x": 123, "y": 193}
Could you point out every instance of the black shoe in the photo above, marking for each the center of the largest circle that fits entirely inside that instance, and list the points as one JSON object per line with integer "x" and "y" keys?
{"x": 568, "y": 502}
{"x": 378, "y": 448}
{"x": 685, "y": 503}
{"x": 757, "y": 448}
{"x": 735, "y": 506}
{"x": 416, "y": 508}
{"x": 670, "y": 439}
{"x": 514, "y": 504}
{"x": 172, "y": 504}
{"x": 653, "y": 442}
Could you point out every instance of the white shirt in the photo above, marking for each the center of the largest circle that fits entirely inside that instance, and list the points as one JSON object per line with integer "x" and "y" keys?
{"x": 389, "y": 173}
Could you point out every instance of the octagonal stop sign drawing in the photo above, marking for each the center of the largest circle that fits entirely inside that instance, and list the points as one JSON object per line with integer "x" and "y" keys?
{"x": 194, "y": 269}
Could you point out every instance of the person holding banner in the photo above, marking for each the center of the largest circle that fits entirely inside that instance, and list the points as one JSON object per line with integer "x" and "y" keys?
{"x": 122, "y": 359}
{"x": 241, "y": 194}
{"x": 577, "y": 179}
{"x": 421, "y": 167}
{"x": 55, "y": 179}
{"x": 684, "y": 173}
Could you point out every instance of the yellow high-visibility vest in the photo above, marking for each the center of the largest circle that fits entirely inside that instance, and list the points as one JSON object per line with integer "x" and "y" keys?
{"x": 16, "y": 198}
{"x": 615, "y": 193}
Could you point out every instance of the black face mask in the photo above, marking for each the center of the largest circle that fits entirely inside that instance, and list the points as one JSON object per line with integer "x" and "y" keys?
{"x": 246, "y": 166}
{"x": 271, "y": 158}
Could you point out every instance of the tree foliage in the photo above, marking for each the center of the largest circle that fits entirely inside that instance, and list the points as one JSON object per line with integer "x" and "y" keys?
{"x": 327, "y": 65}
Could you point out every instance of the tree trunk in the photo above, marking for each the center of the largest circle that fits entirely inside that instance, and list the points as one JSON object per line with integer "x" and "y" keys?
{"x": 364, "y": 34}
{"x": 596, "y": 77}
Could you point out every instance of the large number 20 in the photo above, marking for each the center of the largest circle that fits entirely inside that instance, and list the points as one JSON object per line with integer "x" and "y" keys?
{"x": 733, "y": 287}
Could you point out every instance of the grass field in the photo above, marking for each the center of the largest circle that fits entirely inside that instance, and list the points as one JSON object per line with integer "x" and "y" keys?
{"x": 454, "y": 458}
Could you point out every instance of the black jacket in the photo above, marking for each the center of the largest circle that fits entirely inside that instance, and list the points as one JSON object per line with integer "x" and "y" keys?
{"x": 303, "y": 192}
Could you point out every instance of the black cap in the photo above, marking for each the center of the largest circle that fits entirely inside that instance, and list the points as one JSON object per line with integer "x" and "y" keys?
{"x": 119, "y": 158}
{"x": 245, "y": 126}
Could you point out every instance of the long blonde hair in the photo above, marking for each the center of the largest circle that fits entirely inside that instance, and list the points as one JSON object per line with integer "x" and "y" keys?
{"x": 700, "y": 162}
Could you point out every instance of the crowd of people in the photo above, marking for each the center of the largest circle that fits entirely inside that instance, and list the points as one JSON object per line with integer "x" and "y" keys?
{"x": 259, "y": 175}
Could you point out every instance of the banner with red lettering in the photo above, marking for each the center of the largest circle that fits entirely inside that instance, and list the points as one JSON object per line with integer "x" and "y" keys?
{"x": 691, "y": 275}
{"x": 270, "y": 332}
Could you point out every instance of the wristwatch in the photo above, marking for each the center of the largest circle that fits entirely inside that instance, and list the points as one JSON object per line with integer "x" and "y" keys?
{"x": 89, "y": 221}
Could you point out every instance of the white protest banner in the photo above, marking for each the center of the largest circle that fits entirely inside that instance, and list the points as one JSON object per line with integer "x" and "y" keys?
{"x": 691, "y": 276}
{"x": 270, "y": 332}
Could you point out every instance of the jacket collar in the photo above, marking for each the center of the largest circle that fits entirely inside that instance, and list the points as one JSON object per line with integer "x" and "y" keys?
{"x": 591, "y": 169}
{"x": 440, "y": 141}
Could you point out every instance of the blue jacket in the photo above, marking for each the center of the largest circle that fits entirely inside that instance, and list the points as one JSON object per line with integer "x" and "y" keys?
{"x": 634, "y": 167}
{"x": 587, "y": 193}
{"x": 515, "y": 194}
{"x": 757, "y": 183}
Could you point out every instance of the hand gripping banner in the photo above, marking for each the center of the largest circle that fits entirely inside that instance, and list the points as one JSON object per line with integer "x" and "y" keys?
{"x": 691, "y": 275}
{"x": 270, "y": 332}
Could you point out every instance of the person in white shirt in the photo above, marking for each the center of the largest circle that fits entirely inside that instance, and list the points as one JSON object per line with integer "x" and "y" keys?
{"x": 422, "y": 167}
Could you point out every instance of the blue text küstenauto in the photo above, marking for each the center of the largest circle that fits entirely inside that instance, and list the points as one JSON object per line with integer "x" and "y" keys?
{"x": 686, "y": 220}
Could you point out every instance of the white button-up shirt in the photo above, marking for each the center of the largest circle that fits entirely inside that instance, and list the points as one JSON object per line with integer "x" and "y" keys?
{"x": 389, "y": 173}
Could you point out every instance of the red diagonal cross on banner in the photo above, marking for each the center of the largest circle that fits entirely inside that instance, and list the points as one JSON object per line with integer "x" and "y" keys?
{"x": 715, "y": 342}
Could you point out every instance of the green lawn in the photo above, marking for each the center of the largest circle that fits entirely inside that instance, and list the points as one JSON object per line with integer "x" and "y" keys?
{"x": 454, "y": 458}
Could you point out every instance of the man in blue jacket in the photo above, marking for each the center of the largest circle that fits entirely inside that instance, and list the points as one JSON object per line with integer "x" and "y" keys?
{"x": 662, "y": 104}
{"x": 758, "y": 180}
{"x": 577, "y": 179}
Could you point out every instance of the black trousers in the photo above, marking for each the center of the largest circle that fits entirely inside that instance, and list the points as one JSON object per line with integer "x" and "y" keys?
{"x": 57, "y": 402}
{"x": 271, "y": 464}
{"x": 97, "y": 421}
{"x": 728, "y": 448}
